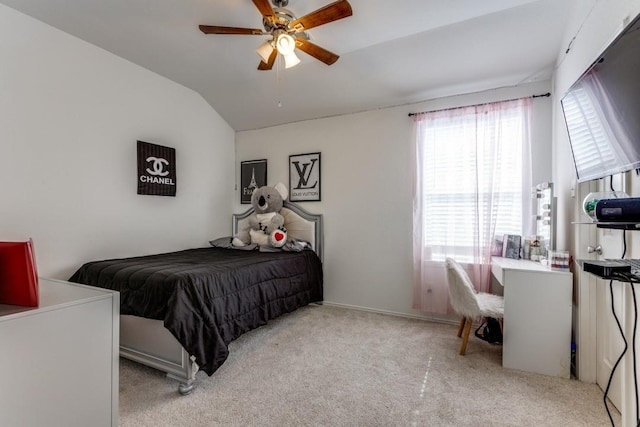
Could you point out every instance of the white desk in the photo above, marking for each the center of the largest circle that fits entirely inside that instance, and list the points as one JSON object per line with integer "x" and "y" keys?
{"x": 537, "y": 316}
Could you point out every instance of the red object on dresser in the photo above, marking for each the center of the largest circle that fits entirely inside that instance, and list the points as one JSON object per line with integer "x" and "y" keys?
{"x": 18, "y": 275}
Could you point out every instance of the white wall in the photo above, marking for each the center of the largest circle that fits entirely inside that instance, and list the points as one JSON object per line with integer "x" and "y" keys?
{"x": 70, "y": 116}
{"x": 366, "y": 190}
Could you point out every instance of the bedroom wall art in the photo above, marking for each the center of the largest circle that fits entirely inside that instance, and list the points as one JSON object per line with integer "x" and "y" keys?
{"x": 304, "y": 177}
{"x": 253, "y": 174}
{"x": 156, "y": 169}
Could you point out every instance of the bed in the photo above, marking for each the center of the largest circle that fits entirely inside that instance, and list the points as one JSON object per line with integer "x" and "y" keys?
{"x": 180, "y": 310}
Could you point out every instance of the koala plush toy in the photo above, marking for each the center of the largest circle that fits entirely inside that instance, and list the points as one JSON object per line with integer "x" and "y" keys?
{"x": 265, "y": 224}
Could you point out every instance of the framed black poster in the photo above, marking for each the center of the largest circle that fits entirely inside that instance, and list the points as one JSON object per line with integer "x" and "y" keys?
{"x": 253, "y": 174}
{"x": 304, "y": 177}
{"x": 156, "y": 169}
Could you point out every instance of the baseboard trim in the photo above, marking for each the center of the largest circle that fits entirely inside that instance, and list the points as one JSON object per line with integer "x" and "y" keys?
{"x": 427, "y": 318}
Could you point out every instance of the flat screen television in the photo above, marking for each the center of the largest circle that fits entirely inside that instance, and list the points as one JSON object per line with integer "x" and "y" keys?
{"x": 602, "y": 110}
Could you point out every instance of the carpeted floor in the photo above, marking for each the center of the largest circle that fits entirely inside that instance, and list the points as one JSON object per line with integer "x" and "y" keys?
{"x": 329, "y": 366}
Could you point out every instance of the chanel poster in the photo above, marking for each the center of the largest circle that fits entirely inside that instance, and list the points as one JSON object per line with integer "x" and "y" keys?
{"x": 304, "y": 177}
{"x": 156, "y": 170}
{"x": 253, "y": 174}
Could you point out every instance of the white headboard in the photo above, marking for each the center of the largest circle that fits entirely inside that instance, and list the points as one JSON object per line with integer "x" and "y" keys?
{"x": 299, "y": 223}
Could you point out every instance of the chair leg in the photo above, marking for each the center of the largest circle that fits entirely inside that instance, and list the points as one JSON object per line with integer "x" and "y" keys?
{"x": 461, "y": 327}
{"x": 465, "y": 338}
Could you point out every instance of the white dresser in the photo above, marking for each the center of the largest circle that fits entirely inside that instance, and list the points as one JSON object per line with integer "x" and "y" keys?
{"x": 59, "y": 361}
{"x": 537, "y": 316}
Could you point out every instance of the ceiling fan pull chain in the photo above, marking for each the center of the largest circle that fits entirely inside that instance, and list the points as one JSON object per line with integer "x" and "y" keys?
{"x": 278, "y": 62}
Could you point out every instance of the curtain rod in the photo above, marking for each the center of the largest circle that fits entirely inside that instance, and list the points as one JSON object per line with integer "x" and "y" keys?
{"x": 543, "y": 95}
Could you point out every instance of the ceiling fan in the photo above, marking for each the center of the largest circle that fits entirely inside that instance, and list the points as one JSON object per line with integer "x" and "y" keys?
{"x": 287, "y": 32}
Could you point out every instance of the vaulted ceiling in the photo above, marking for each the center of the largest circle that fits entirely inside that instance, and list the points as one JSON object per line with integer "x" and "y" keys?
{"x": 391, "y": 52}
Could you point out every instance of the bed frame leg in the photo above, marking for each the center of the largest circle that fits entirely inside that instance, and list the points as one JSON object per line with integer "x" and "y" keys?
{"x": 192, "y": 367}
{"x": 187, "y": 377}
{"x": 186, "y": 387}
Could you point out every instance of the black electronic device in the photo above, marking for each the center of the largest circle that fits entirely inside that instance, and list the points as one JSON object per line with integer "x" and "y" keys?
{"x": 607, "y": 269}
{"x": 618, "y": 210}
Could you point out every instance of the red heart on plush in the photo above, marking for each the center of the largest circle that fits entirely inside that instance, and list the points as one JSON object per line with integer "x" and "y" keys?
{"x": 278, "y": 236}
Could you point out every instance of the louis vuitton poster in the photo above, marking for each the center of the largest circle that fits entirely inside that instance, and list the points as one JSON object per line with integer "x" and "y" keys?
{"x": 156, "y": 169}
{"x": 304, "y": 177}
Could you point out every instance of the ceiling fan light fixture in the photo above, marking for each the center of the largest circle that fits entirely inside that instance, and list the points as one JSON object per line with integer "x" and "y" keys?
{"x": 291, "y": 60}
{"x": 285, "y": 44}
{"x": 265, "y": 50}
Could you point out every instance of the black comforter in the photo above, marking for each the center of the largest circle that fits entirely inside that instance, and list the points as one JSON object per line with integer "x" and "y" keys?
{"x": 208, "y": 297}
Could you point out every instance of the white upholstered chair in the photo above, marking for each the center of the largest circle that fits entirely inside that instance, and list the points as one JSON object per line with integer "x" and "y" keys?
{"x": 468, "y": 303}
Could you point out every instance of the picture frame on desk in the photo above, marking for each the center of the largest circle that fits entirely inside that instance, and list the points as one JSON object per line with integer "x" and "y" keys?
{"x": 511, "y": 246}
{"x": 496, "y": 246}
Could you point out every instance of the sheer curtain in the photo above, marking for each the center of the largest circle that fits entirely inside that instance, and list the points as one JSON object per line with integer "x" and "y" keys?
{"x": 472, "y": 181}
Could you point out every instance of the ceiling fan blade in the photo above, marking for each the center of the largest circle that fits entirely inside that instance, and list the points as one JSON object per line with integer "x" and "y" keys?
{"x": 329, "y": 13}
{"x": 265, "y": 9}
{"x": 265, "y": 66}
{"x": 213, "y": 29}
{"x": 316, "y": 51}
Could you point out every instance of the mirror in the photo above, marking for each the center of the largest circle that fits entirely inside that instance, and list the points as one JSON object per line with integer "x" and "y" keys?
{"x": 545, "y": 216}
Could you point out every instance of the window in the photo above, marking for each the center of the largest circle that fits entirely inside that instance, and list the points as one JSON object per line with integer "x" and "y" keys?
{"x": 472, "y": 181}
{"x": 472, "y": 178}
